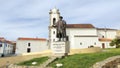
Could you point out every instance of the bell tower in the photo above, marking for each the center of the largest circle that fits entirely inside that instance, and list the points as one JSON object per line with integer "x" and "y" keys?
{"x": 54, "y": 17}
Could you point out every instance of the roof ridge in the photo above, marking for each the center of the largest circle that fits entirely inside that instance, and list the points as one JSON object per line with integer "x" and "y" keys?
{"x": 42, "y": 39}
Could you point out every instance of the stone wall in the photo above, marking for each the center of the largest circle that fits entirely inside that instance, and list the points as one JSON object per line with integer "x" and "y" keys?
{"x": 112, "y": 62}
{"x": 85, "y": 50}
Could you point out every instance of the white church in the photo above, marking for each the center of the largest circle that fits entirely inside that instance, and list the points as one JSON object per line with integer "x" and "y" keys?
{"x": 82, "y": 35}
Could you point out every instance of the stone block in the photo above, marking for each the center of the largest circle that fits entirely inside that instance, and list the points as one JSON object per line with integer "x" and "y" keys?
{"x": 60, "y": 48}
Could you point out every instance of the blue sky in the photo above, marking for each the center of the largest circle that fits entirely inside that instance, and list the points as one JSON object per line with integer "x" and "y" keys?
{"x": 30, "y": 18}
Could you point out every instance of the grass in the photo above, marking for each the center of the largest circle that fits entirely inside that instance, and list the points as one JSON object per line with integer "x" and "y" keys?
{"x": 85, "y": 60}
{"x": 38, "y": 60}
{"x": 77, "y": 60}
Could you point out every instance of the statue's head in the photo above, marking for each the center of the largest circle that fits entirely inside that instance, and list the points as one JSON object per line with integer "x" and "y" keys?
{"x": 61, "y": 17}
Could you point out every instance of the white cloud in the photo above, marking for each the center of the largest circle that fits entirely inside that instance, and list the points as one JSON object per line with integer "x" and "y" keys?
{"x": 30, "y": 18}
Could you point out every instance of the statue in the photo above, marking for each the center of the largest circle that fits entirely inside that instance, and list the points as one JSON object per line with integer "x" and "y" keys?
{"x": 61, "y": 29}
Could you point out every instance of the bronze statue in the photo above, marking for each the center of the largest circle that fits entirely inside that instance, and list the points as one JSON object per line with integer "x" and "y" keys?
{"x": 61, "y": 29}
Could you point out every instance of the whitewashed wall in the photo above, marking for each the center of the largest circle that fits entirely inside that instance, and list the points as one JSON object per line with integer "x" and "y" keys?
{"x": 1, "y": 48}
{"x": 36, "y": 46}
{"x": 107, "y": 44}
{"x": 108, "y": 34}
{"x": 6, "y": 48}
{"x": 85, "y": 42}
{"x": 82, "y": 31}
{"x": 75, "y": 41}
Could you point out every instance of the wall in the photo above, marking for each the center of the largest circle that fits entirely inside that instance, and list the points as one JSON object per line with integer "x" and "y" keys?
{"x": 107, "y": 44}
{"x": 36, "y": 46}
{"x": 6, "y": 49}
{"x": 1, "y": 48}
{"x": 109, "y": 33}
{"x": 85, "y": 50}
{"x": 87, "y": 41}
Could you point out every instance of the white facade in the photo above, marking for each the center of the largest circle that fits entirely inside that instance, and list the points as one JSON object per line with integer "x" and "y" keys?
{"x": 82, "y": 35}
{"x": 6, "y": 47}
{"x": 107, "y": 35}
{"x": 54, "y": 17}
{"x": 30, "y": 45}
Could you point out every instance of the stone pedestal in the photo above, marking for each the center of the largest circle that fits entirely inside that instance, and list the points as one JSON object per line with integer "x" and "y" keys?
{"x": 60, "y": 48}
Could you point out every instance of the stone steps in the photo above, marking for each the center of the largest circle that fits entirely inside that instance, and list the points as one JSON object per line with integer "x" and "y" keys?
{"x": 45, "y": 64}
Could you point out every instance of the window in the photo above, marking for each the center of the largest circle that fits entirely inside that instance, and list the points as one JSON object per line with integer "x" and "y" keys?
{"x": 29, "y": 44}
{"x": 80, "y": 43}
{"x": 102, "y": 36}
{"x": 0, "y": 45}
{"x": 28, "y": 50}
{"x": 103, "y": 45}
{"x": 54, "y": 20}
{"x": 67, "y": 38}
{"x": 53, "y": 32}
{"x": 53, "y": 39}
{"x": 95, "y": 43}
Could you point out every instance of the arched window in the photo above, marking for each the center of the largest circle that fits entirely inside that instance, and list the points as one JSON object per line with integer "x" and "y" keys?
{"x": 53, "y": 32}
{"x": 54, "y": 20}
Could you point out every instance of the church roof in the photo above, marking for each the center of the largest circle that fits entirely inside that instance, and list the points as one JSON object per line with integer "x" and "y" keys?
{"x": 39, "y": 39}
{"x": 80, "y": 26}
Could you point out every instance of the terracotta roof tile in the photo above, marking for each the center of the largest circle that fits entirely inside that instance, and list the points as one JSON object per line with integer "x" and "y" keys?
{"x": 80, "y": 26}
{"x": 2, "y": 39}
{"x": 40, "y": 39}
{"x": 105, "y": 39}
{"x": 10, "y": 42}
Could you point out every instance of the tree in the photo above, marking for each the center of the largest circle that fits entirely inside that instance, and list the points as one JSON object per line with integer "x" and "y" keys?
{"x": 115, "y": 42}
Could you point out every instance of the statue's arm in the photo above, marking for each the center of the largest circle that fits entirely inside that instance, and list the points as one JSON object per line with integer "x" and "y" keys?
{"x": 64, "y": 23}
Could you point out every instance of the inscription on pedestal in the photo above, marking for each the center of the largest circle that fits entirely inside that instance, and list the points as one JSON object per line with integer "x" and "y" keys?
{"x": 60, "y": 47}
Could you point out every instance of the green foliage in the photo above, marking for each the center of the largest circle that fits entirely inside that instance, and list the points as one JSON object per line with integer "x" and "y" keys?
{"x": 115, "y": 42}
{"x": 38, "y": 60}
{"x": 77, "y": 60}
{"x": 85, "y": 60}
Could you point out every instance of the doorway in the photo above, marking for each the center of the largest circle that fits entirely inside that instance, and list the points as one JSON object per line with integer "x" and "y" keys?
{"x": 28, "y": 50}
{"x": 103, "y": 45}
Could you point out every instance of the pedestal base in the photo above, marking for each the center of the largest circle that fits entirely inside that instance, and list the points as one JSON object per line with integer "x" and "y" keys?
{"x": 60, "y": 48}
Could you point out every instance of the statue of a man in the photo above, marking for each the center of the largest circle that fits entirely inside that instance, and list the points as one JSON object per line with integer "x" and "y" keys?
{"x": 61, "y": 29}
